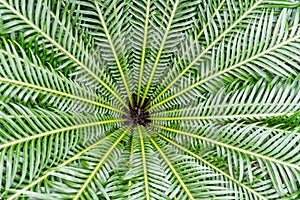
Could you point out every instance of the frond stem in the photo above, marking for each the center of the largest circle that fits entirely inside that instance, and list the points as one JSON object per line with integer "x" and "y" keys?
{"x": 131, "y": 153}
{"x": 144, "y": 163}
{"x": 260, "y": 115}
{"x": 39, "y": 135}
{"x": 143, "y": 51}
{"x": 36, "y": 87}
{"x": 200, "y": 107}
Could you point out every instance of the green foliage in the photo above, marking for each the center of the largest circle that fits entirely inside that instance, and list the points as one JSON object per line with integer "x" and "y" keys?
{"x": 218, "y": 78}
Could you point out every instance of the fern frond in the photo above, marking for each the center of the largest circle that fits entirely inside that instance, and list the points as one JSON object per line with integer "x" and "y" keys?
{"x": 254, "y": 58}
{"x": 45, "y": 86}
{"x": 184, "y": 169}
{"x": 251, "y": 192}
{"x": 53, "y": 36}
{"x": 253, "y": 102}
{"x": 145, "y": 169}
{"x": 257, "y": 146}
{"x": 72, "y": 158}
{"x": 168, "y": 34}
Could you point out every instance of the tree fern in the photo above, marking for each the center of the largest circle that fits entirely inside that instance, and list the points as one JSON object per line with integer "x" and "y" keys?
{"x": 149, "y": 99}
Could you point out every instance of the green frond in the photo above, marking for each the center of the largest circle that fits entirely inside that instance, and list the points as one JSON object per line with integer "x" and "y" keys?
{"x": 110, "y": 30}
{"x": 253, "y": 102}
{"x": 249, "y": 192}
{"x": 272, "y": 151}
{"x": 63, "y": 47}
{"x": 107, "y": 33}
{"x": 37, "y": 140}
{"x": 87, "y": 175}
{"x": 29, "y": 81}
{"x": 40, "y": 180}
{"x": 168, "y": 33}
{"x": 185, "y": 168}
{"x": 254, "y": 58}
{"x": 146, "y": 170}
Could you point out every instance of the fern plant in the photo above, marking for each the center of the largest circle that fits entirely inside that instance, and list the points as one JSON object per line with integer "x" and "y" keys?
{"x": 149, "y": 99}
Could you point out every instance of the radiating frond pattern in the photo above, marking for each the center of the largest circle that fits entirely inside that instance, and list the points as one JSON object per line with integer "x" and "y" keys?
{"x": 150, "y": 99}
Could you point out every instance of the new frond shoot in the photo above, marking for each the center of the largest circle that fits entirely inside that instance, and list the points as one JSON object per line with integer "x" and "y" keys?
{"x": 137, "y": 114}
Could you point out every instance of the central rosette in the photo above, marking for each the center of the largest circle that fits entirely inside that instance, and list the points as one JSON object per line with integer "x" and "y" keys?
{"x": 138, "y": 114}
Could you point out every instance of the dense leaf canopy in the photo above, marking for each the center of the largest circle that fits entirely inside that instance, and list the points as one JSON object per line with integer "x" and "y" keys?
{"x": 150, "y": 99}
